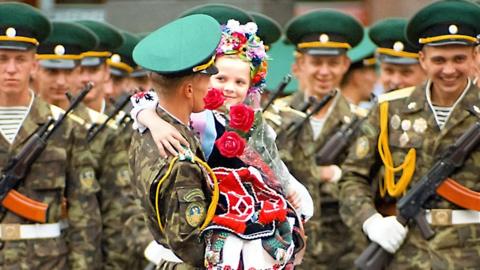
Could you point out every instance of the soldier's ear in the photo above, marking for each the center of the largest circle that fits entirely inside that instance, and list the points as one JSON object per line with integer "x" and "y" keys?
{"x": 421, "y": 59}
{"x": 187, "y": 88}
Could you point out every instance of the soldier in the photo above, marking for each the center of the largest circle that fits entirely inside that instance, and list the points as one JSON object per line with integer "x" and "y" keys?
{"x": 398, "y": 58}
{"x": 322, "y": 61}
{"x": 59, "y": 57}
{"x": 116, "y": 195}
{"x": 413, "y": 127}
{"x": 173, "y": 192}
{"x": 62, "y": 176}
{"x": 359, "y": 81}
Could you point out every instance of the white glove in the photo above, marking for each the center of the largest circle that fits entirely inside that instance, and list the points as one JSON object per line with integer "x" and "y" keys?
{"x": 385, "y": 231}
{"x": 304, "y": 206}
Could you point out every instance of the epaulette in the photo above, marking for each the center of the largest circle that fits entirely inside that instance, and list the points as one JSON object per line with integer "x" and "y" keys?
{"x": 396, "y": 94}
{"x": 99, "y": 118}
{"x": 56, "y": 111}
{"x": 359, "y": 111}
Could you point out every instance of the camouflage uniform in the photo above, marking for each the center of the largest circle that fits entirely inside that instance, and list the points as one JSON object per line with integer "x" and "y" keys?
{"x": 184, "y": 188}
{"x": 116, "y": 194}
{"x": 453, "y": 247}
{"x": 329, "y": 243}
{"x": 69, "y": 175}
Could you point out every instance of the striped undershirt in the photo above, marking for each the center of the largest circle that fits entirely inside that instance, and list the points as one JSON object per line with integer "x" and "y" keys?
{"x": 11, "y": 119}
{"x": 441, "y": 114}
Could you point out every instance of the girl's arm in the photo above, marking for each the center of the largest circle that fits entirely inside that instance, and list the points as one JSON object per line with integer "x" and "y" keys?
{"x": 144, "y": 116}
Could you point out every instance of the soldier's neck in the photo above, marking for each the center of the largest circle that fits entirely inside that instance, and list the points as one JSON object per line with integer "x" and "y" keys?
{"x": 176, "y": 109}
{"x": 15, "y": 99}
{"x": 96, "y": 104}
{"x": 443, "y": 98}
{"x": 351, "y": 93}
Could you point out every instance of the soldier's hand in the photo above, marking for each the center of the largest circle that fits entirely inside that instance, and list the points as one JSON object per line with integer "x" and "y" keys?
{"x": 331, "y": 173}
{"x": 385, "y": 231}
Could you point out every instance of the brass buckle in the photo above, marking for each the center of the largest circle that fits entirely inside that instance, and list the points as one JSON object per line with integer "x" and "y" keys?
{"x": 441, "y": 217}
{"x": 10, "y": 231}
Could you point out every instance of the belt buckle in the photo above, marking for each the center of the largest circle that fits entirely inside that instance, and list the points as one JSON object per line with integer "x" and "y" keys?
{"x": 441, "y": 217}
{"x": 10, "y": 231}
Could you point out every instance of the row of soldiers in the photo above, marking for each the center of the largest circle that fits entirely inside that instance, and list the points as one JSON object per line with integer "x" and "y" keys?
{"x": 74, "y": 196}
{"x": 93, "y": 220}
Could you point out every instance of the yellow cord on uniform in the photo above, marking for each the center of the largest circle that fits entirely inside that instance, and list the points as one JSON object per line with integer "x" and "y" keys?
{"x": 216, "y": 192}
{"x": 394, "y": 189}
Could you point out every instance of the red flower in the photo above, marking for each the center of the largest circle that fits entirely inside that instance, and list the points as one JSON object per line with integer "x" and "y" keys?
{"x": 230, "y": 144}
{"x": 241, "y": 117}
{"x": 214, "y": 99}
{"x": 240, "y": 37}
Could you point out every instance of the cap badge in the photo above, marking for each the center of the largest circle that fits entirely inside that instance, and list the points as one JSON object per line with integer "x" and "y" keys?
{"x": 453, "y": 29}
{"x": 398, "y": 46}
{"x": 116, "y": 58}
{"x": 324, "y": 38}
{"x": 59, "y": 50}
{"x": 11, "y": 32}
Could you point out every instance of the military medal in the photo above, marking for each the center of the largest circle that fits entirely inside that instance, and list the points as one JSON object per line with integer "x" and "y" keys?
{"x": 420, "y": 125}
{"x": 406, "y": 125}
{"x": 395, "y": 121}
{"x": 404, "y": 139}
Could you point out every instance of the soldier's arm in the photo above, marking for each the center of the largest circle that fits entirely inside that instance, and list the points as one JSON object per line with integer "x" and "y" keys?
{"x": 84, "y": 220}
{"x": 184, "y": 209}
{"x": 117, "y": 198}
{"x": 356, "y": 198}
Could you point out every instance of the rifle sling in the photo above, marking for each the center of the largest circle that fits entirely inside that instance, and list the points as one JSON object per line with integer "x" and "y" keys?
{"x": 460, "y": 195}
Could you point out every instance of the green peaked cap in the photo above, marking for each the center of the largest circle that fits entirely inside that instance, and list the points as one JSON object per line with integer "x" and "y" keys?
{"x": 324, "y": 32}
{"x": 109, "y": 37}
{"x": 221, "y": 12}
{"x": 121, "y": 62}
{"x": 22, "y": 26}
{"x": 180, "y": 46}
{"x": 445, "y": 22}
{"x": 393, "y": 46}
{"x": 65, "y": 44}
{"x": 269, "y": 30}
{"x": 365, "y": 50}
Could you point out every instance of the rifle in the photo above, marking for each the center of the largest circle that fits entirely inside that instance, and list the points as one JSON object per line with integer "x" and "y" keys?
{"x": 337, "y": 144}
{"x": 281, "y": 87}
{"x": 298, "y": 123}
{"x": 18, "y": 166}
{"x": 410, "y": 206}
{"x": 95, "y": 129}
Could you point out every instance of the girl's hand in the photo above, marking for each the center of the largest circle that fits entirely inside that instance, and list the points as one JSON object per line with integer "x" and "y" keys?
{"x": 166, "y": 137}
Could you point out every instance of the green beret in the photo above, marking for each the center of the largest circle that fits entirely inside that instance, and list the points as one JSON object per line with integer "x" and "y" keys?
{"x": 65, "y": 44}
{"x": 393, "y": 46}
{"x": 221, "y": 12}
{"x": 109, "y": 39}
{"x": 269, "y": 30}
{"x": 121, "y": 62}
{"x": 445, "y": 22}
{"x": 22, "y": 26}
{"x": 324, "y": 32}
{"x": 364, "y": 53}
{"x": 182, "y": 47}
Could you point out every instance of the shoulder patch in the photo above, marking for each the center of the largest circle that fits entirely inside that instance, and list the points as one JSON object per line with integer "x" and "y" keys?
{"x": 56, "y": 111}
{"x": 396, "y": 94}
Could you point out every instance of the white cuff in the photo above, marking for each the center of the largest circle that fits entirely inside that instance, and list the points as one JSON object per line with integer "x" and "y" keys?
{"x": 337, "y": 173}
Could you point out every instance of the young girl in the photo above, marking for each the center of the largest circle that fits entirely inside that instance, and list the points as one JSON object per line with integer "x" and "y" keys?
{"x": 252, "y": 213}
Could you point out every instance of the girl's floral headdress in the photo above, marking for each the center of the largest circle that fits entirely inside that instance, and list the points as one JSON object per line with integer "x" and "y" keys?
{"x": 241, "y": 40}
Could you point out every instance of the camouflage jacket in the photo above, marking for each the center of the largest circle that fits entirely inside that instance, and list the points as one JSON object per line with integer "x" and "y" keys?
{"x": 63, "y": 170}
{"x": 183, "y": 196}
{"x": 116, "y": 194}
{"x": 412, "y": 115}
